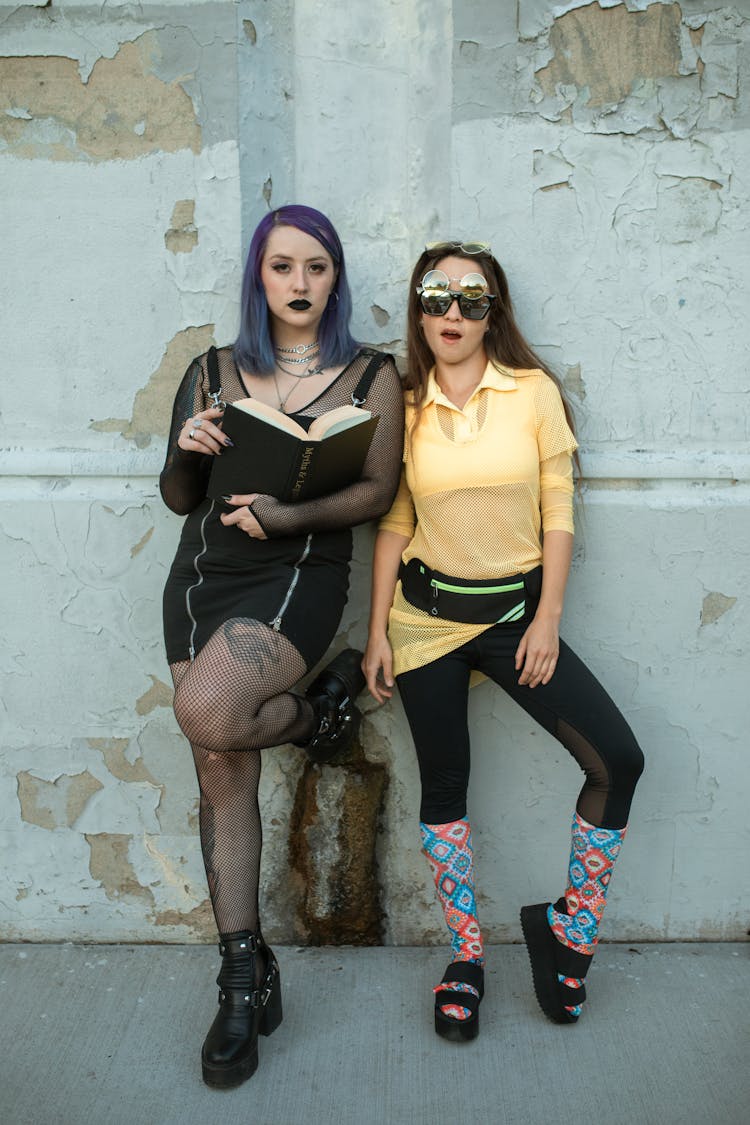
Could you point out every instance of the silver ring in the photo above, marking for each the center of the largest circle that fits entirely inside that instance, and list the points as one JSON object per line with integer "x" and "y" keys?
{"x": 198, "y": 423}
{"x": 191, "y": 435}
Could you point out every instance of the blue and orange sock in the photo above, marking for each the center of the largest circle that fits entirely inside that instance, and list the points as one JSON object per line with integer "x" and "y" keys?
{"x": 592, "y": 856}
{"x": 451, "y": 858}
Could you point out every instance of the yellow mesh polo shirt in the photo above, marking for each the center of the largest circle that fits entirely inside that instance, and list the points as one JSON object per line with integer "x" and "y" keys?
{"x": 478, "y": 487}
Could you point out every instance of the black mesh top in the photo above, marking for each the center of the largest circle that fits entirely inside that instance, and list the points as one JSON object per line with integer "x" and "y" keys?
{"x": 184, "y": 478}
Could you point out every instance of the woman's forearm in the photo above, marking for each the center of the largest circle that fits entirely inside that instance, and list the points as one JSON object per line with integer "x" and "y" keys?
{"x": 386, "y": 560}
{"x": 557, "y": 551}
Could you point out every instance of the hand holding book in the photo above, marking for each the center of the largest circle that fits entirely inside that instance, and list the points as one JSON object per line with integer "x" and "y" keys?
{"x": 242, "y": 517}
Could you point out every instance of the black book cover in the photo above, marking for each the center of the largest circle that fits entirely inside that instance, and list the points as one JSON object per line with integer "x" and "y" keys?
{"x": 271, "y": 461}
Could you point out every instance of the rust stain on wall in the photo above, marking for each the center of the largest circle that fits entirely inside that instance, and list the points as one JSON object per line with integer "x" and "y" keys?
{"x": 112, "y": 751}
{"x": 109, "y": 865}
{"x": 55, "y": 804}
{"x": 182, "y": 235}
{"x": 609, "y": 50}
{"x": 152, "y": 407}
{"x": 158, "y": 695}
{"x": 122, "y": 112}
{"x": 344, "y": 907}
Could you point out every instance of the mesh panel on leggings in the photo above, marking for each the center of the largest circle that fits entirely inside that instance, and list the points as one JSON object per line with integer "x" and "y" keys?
{"x": 233, "y": 698}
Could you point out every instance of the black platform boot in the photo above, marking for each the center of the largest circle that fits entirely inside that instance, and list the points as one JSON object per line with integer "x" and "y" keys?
{"x": 332, "y": 694}
{"x": 246, "y": 1009}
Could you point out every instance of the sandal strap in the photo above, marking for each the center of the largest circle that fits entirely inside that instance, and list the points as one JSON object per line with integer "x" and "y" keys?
{"x": 571, "y": 996}
{"x": 456, "y": 987}
{"x": 571, "y": 963}
{"x": 465, "y": 972}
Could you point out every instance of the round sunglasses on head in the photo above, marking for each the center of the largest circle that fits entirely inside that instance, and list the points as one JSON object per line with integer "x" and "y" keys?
{"x": 436, "y": 295}
{"x": 466, "y": 247}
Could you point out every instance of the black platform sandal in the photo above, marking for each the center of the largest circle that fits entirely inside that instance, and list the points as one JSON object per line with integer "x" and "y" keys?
{"x": 332, "y": 694}
{"x": 459, "y": 1031}
{"x": 549, "y": 957}
{"x": 230, "y": 1052}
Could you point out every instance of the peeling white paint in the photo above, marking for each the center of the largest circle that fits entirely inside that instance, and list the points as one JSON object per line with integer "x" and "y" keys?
{"x": 624, "y": 231}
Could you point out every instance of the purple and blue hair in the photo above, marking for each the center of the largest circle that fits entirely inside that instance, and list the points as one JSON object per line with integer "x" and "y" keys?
{"x": 253, "y": 349}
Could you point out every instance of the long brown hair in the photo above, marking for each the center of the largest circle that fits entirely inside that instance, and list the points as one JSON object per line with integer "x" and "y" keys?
{"x": 504, "y": 342}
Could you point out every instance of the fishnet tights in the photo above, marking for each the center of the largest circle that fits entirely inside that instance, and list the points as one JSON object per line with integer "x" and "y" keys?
{"x": 234, "y": 697}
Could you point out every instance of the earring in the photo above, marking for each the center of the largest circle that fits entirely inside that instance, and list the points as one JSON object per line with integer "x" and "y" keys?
{"x": 333, "y": 293}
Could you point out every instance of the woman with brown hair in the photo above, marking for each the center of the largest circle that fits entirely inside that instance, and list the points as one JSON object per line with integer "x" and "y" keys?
{"x": 470, "y": 569}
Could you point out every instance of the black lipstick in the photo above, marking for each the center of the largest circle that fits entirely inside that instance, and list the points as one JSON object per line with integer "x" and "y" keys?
{"x": 300, "y": 305}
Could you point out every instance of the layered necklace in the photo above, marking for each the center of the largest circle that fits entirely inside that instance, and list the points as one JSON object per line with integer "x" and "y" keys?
{"x": 298, "y": 356}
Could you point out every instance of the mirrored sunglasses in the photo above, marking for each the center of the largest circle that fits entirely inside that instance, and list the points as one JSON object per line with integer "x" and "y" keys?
{"x": 436, "y": 295}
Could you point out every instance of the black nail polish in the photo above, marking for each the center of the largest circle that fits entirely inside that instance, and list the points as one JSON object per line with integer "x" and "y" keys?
{"x": 227, "y": 499}
{"x": 228, "y": 441}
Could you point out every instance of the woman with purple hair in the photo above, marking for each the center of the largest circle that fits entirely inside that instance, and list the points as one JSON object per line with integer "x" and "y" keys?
{"x": 257, "y": 588}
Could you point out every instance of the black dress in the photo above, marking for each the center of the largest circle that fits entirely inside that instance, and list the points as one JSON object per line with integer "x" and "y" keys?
{"x": 296, "y": 580}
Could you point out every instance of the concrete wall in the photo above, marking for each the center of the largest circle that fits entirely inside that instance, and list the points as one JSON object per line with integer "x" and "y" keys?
{"x": 602, "y": 150}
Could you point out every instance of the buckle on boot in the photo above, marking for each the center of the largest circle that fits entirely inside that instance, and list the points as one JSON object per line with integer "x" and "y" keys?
{"x": 239, "y": 996}
{"x": 238, "y": 946}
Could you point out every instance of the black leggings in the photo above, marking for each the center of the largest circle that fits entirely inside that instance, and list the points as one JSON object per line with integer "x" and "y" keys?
{"x": 573, "y": 706}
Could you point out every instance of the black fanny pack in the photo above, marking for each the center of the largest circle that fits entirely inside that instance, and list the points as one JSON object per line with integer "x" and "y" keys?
{"x": 483, "y": 601}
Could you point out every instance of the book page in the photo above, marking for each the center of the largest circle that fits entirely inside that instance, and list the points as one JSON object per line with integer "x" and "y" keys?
{"x": 334, "y": 421}
{"x": 271, "y": 415}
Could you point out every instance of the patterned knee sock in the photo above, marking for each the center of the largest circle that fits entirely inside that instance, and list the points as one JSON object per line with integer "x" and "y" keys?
{"x": 592, "y": 856}
{"x": 451, "y": 858}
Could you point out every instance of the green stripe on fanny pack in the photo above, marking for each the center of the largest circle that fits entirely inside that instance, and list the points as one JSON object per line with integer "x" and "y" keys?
{"x": 513, "y": 614}
{"x": 476, "y": 589}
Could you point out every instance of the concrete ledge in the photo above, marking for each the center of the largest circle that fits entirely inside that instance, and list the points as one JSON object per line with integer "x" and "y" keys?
{"x": 610, "y": 464}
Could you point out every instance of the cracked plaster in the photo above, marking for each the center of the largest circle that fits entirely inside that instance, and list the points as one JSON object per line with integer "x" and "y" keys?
{"x": 609, "y": 52}
{"x": 58, "y": 803}
{"x": 608, "y": 69}
{"x": 152, "y": 406}
{"x": 631, "y": 220}
{"x": 715, "y": 605}
{"x": 111, "y": 867}
{"x": 121, "y": 113}
{"x": 182, "y": 235}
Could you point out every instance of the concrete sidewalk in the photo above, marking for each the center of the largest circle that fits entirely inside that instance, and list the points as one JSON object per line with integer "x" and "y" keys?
{"x": 110, "y": 1035}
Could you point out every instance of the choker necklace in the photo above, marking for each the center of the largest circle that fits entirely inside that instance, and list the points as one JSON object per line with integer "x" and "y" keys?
{"x": 297, "y": 362}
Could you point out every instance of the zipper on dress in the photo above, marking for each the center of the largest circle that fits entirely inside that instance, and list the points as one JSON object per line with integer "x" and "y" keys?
{"x": 275, "y": 622}
{"x": 199, "y": 572}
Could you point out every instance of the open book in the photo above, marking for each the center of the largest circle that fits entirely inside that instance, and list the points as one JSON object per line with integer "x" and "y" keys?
{"x": 274, "y": 455}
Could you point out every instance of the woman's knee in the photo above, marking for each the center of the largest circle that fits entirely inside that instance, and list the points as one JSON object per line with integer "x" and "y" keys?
{"x": 626, "y": 761}
{"x": 443, "y": 794}
{"x": 205, "y": 718}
